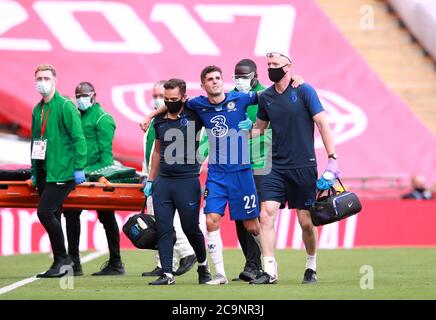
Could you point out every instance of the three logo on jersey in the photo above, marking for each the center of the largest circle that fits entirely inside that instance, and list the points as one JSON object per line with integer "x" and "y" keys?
{"x": 220, "y": 128}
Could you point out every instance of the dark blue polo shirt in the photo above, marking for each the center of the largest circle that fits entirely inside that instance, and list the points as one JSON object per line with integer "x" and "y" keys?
{"x": 179, "y": 140}
{"x": 290, "y": 115}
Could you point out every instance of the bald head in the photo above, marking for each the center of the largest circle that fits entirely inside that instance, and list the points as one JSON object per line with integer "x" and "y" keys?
{"x": 418, "y": 182}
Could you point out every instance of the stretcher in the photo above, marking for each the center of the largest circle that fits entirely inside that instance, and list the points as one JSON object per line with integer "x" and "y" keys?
{"x": 89, "y": 195}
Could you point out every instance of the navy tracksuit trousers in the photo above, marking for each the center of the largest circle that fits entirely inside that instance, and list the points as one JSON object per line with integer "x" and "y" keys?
{"x": 183, "y": 194}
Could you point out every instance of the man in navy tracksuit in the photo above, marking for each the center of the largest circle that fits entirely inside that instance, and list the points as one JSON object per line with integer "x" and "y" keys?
{"x": 174, "y": 182}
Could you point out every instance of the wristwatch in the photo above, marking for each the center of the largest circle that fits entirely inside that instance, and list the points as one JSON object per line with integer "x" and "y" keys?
{"x": 333, "y": 156}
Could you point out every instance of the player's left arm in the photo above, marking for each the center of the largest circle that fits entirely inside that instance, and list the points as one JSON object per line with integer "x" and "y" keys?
{"x": 325, "y": 131}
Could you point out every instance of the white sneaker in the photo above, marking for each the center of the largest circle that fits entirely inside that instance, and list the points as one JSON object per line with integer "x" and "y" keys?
{"x": 219, "y": 279}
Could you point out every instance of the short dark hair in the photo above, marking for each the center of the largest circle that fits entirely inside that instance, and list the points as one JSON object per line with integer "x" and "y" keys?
{"x": 209, "y": 69}
{"x": 87, "y": 86}
{"x": 176, "y": 83}
{"x": 247, "y": 62}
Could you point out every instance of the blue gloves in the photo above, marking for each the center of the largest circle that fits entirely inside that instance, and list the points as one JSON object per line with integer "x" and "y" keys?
{"x": 79, "y": 176}
{"x": 148, "y": 189}
{"x": 326, "y": 181}
{"x": 31, "y": 182}
{"x": 246, "y": 124}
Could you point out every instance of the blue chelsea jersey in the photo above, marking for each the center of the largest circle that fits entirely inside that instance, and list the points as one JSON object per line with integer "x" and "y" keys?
{"x": 228, "y": 146}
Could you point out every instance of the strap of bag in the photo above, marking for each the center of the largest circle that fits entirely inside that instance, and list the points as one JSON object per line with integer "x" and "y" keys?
{"x": 144, "y": 206}
{"x": 340, "y": 182}
{"x": 332, "y": 190}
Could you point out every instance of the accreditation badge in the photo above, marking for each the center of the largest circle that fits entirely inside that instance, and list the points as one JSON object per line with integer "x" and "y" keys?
{"x": 39, "y": 149}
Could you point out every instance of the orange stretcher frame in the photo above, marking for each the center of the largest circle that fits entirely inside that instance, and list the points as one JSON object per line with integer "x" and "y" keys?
{"x": 89, "y": 195}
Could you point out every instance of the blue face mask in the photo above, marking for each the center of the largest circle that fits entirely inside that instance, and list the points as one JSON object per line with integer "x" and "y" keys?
{"x": 84, "y": 103}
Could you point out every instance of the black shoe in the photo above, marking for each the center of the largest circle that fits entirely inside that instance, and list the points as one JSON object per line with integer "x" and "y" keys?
{"x": 249, "y": 274}
{"x": 58, "y": 269}
{"x": 203, "y": 274}
{"x": 163, "y": 280}
{"x": 156, "y": 272}
{"x": 111, "y": 269}
{"x": 264, "y": 278}
{"x": 309, "y": 277}
{"x": 185, "y": 264}
{"x": 77, "y": 269}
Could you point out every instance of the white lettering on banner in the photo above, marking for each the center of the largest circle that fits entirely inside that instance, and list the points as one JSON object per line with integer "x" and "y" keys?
{"x": 11, "y": 15}
{"x": 272, "y": 17}
{"x": 350, "y": 231}
{"x": 93, "y": 235}
{"x": 136, "y": 36}
{"x": 349, "y": 121}
{"x": 297, "y": 236}
{"x": 139, "y": 91}
{"x": 85, "y": 218}
{"x": 7, "y": 232}
{"x": 44, "y": 244}
{"x": 283, "y": 228}
{"x": 26, "y": 221}
{"x": 329, "y": 237}
{"x": 99, "y": 237}
{"x": 59, "y": 17}
{"x": 184, "y": 27}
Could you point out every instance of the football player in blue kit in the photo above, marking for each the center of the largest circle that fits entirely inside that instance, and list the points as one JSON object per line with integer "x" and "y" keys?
{"x": 230, "y": 178}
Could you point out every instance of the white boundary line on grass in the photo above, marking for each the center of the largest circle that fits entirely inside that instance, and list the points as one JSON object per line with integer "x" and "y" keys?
{"x": 23, "y": 282}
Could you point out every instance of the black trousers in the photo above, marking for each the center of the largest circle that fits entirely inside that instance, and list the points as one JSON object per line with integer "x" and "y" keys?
{"x": 107, "y": 218}
{"x": 183, "y": 194}
{"x": 52, "y": 196}
{"x": 249, "y": 246}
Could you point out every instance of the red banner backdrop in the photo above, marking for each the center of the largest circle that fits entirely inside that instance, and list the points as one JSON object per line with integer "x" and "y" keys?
{"x": 123, "y": 47}
{"x": 381, "y": 223}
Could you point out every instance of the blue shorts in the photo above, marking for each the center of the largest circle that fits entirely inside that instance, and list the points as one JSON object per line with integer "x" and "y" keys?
{"x": 237, "y": 188}
{"x": 296, "y": 186}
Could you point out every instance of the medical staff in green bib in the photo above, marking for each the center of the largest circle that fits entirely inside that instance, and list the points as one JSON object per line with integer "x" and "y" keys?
{"x": 99, "y": 130}
{"x": 58, "y": 156}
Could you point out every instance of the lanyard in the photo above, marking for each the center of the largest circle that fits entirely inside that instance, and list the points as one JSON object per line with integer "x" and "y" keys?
{"x": 44, "y": 124}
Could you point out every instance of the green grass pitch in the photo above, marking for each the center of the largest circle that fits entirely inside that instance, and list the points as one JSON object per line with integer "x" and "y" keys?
{"x": 400, "y": 273}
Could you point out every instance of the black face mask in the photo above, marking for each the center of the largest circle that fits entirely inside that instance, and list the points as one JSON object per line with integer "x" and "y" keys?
{"x": 276, "y": 74}
{"x": 174, "y": 106}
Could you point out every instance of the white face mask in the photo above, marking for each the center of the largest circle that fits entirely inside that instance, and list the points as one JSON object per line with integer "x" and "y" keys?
{"x": 44, "y": 87}
{"x": 84, "y": 103}
{"x": 157, "y": 103}
{"x": 243, "y": 84}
